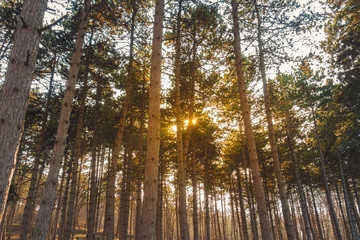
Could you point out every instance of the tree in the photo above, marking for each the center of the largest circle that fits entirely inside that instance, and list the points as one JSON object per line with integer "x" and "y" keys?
{"x": 147, "y": 227}
{"x": 16, "y": 89}
{"x": 254, "y": 165}
{"x": 274, "y": 151}
{"x": 48, "y": 197}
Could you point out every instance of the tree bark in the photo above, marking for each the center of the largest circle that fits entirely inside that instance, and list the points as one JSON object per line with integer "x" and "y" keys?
{"x": 47, "y": 200}
{"x": 148, "y": 217}
{"x": 254, "y": 165}
{"x": 110, "y": 209}
{"x": 93, "y": 181}
{"x": 334, "y": 219}
{"x": 181, "y": 151}
{"x": 76, "y": 157}
{"x": 195, "y": 198}
{"x": 16, "y": 90}
{"x": 31, "y": 198}
{"x": 242, "y": 209}
{"x": 304, "y": 208}
{"x": 351, "y": 218}
{"x": 271, "y": 132}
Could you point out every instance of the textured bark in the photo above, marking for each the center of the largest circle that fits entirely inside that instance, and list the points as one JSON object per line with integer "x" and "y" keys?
{"x": 350, "y": 214}
{"x": 148, "y": 217}
{"x": 320, "y": 235}
{"x": 195, "y": 198}
{"x": 93, "y": 181}
{"x": 206, "y": 192}
{"x": 123, "y": 219}
{"x": 249, "y": 196}
{"x": 345, "y": 226}
{"x": 271, "y": 132}
{"x": 140, "y": 168}
{"x": 59, "y": 194}
{"x": 233, "y": 219}
{"x": 304, "y": 208}
{"x": 16, "y": 90}
{"x": 159, "y": 215}
{"x": 334, "y": 219}
{"x": 64, "y": 201}
{"x": 181, "y": 151}
{"x": 31, "y": 198}
{"x": 76, "y": 157}
{"x": 48, "y": 199}
{"x": 242, "y": 209}
{"x": 110, "y": 209}
{"x": 254, "y": 165}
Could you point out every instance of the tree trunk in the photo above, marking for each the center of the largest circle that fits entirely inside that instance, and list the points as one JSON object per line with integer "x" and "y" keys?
{"x": 31, "y": 198}
{"x": 76, "y": 157}
{"x": 15, "y": 91}
{"x": 140, "y": 167}
{"x": 249, "y": 194}
{"x": 59, "y": 199}
{"x": 47, "y": 200}
{"x": 93, "y": 181}
{"x": 206, "y": 192}
{"x": 181, "y": 153}
{"x": 351, "y": 218}
{"x": 223, "y": 218}
{"x": 334, "y": 219}
{"x": 258, "y": 182}
{"x": 274, "y": 151}
{"x": 110, "y": 209}
{"x": 159, "y": 211}
{"x": 195, "y": 198}
{"x": 233, "y": 220}
{"x": 242, "y": 209}
{"x": 65, "y": 200}
{"x": 320, "y": 235}
{"x": 345, "y": 225}
{"x": 148, "y": 217}
{"x": 304, "y": 208}
{"x": 123, "y": 218}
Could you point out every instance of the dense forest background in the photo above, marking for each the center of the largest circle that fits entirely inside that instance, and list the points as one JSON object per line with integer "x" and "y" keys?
{"x": 183, "y": 119}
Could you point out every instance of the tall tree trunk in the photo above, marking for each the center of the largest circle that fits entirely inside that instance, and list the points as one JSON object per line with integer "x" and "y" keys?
{"x": 223, "y": 218}
{"x": 110, "y": 209}
{"x": 47, "y": 200}
{"x": 140, "y": 167}
{"x": 304, "y": 208}
{"x": 65, "y": 200}
{"x": 233, "y": 219}
{"x": 274, "y": 151}
{"x": 59, "y": 194}
{"x": 250, "y": 199}
{"x": 242, "y": 209}
{"x": 195, "y": 198}
{"x": 294, "y": 218}
{"x": 93, "y": 181}
{"x": 206, "y": 193}
{"x": 148, "y": 217}
{"x": 258, "y": 182}
{"x": 31, "y": 198}
{"x": 320, "y": 235}
{"x": 351, "y": 218}
{"x": 181, "y": 153}
{"x": 345, "y": 225}
{"x": 76, "y": 157}
{"x": 15, "y": 91}
{"x": 334, "y": 219}
{"x": 159, "y": 215}
{"x": 123, "y": 218}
